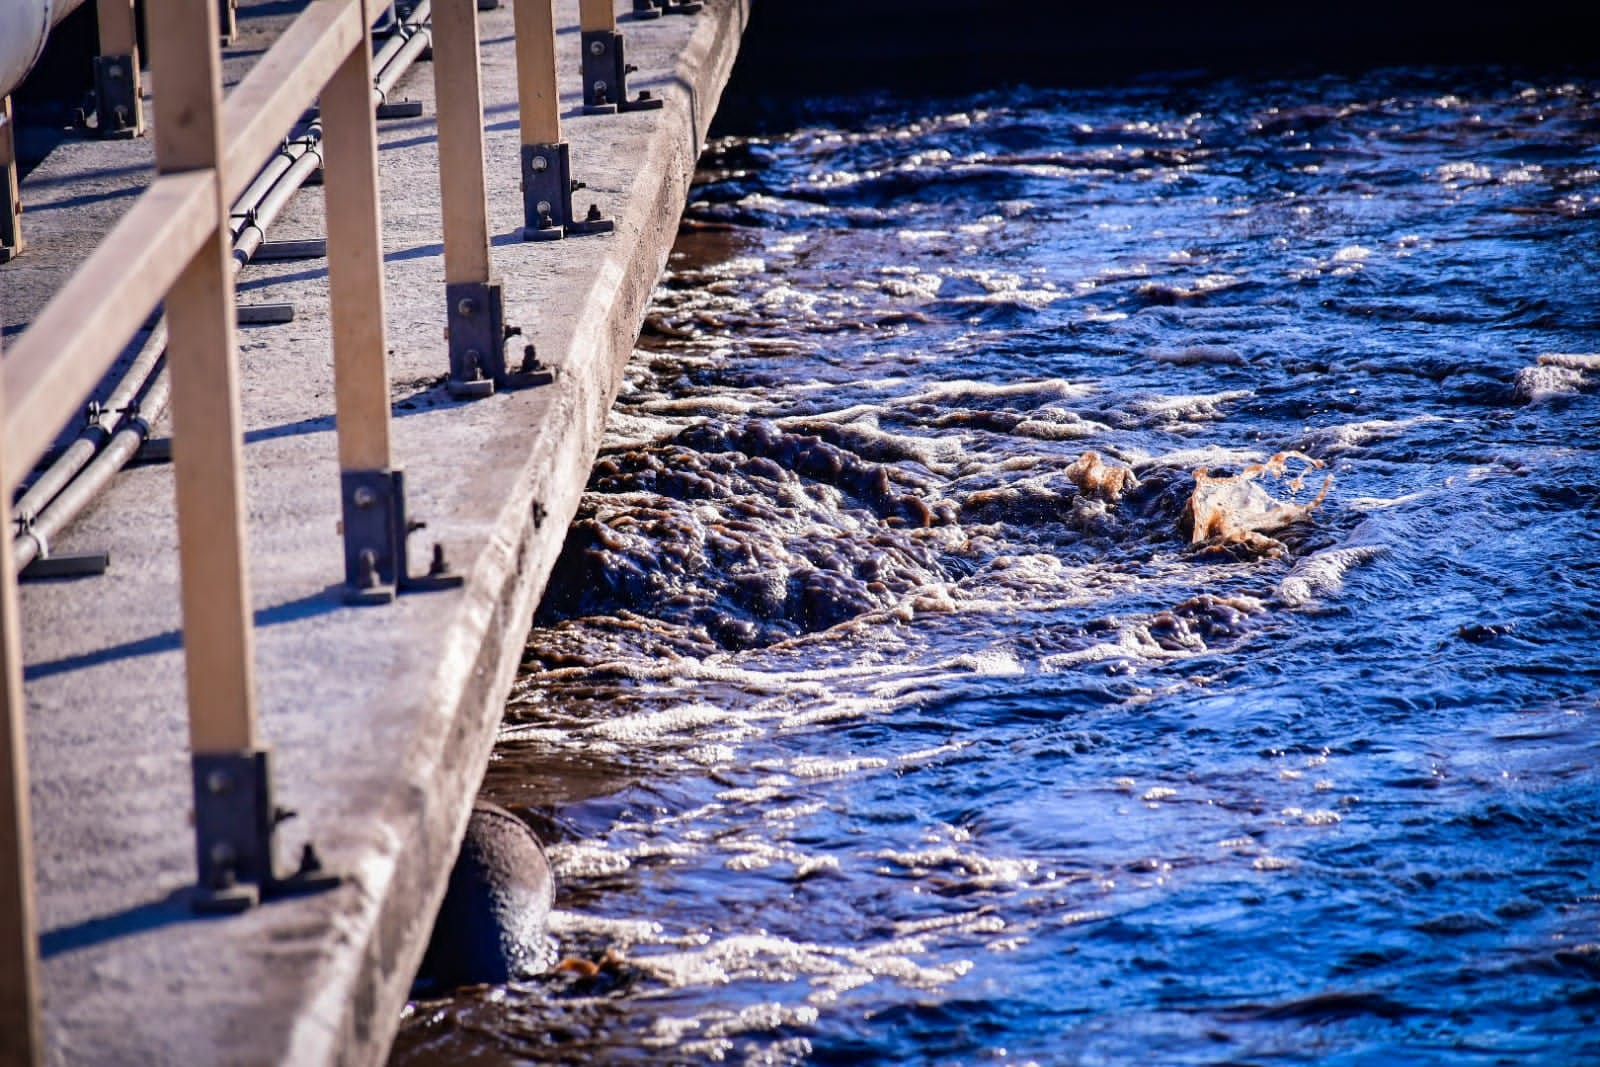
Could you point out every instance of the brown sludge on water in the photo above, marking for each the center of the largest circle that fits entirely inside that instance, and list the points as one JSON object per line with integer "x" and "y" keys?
{"x": 1238, "y": 510}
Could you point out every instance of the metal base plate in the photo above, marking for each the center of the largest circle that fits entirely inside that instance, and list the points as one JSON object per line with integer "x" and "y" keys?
{"x": 66, "y": 565}
{"x": 529, "y": 378}
{"x": 591, "y": 226}
{"x": 376, "y": 528}
{"x": 229, "y": 901}
{"x": 398, "y": 109}
{"x": 235, "y": 823}
{"x": 544, "y": 233}
{"x": 547, "y": 189}
{"x": 371, "y": 596}
{"x": 264, "y": 314}
{"x": 118, "y": 115}
{"x": 470, "y": 390}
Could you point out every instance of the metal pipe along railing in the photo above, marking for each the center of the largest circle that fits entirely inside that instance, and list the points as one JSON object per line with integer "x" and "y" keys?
{"x": 86, "y": 465}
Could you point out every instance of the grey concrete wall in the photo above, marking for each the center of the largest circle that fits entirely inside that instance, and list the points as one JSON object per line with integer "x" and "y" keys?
{"x": 381, "y": 718}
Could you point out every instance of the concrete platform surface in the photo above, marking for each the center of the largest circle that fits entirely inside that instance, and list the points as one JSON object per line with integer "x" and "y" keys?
{"x": 381, "y": 718}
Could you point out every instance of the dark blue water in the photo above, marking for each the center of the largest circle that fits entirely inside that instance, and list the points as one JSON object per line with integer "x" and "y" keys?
{"x": 875, "y": 723}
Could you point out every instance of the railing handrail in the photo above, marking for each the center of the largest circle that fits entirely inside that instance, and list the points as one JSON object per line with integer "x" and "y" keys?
{"x": 173, "y": 246}
{"x": 283, "y": 85}
{"x": 94, "y": 315}
{"x": 59, "y": 359}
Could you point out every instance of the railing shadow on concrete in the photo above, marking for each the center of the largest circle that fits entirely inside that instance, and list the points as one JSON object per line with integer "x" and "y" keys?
{"x": 173, "y": 248}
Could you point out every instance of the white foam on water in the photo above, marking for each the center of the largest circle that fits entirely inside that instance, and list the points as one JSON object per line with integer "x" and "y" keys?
{"x": 1196, "y": 408}
{"x": 1321, "y": 575}
{"x": 621, "y": 932}
{"x": 981, "y": 872}
{"x": 745, "y": 957}
{"x": 1543, "y": 382}
{"x": 644, "y": 726}
{"x": 577, "y": 859}
{"x": 1326, "y": 441}
{"x": 1557, "y": 374}
{"x": 819, "y": 767}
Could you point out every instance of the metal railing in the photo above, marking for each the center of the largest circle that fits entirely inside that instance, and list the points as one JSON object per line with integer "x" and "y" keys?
{"x": 174, "y": 247}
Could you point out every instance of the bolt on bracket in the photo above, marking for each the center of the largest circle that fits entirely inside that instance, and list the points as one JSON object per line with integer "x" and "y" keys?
{"x": 117, "y": 109}
{"x": 375, "y": 532}
{"x": 605, "y": 76}
{"x": 478, "y": 336}
{"x": 547, "y": 189}
{"x": 234, "y": 825}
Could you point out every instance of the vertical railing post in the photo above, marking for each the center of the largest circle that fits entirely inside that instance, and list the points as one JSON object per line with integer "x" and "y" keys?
{"x": 21, "y": 1034}
{"x": 374, "y": 546}
{"x": 372, "y": 490}
{"x": 227, "y": 21}
{"x": 11, "y": 242}
{"x": 605, "y": 64}
{"x": 207, "y": 451}
{"x": 475, "y": 314}
{"x": 119, "y": 111}
{"x": 547, "y": 184}
{"x": 234, "y": 816}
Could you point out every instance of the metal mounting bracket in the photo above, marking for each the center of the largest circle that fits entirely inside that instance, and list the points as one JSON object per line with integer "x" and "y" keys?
{"x": 116, "y": 98}
{"x": 375, "y": 532}
{"x": 263, "y": 314}
{"x": 66, "y": 565}
{"x": 605, "y": 76}
{"x": 398, "y": 109}
{"x": 47, "y": 565}
{"x": 547, "y": 189}
{"x": 654, "y": 9}
{"x": 478, "y": 335}
{"x": 234, "y": 823}
{"x": 278, "y": 251}
{"x": 152, "y": 450}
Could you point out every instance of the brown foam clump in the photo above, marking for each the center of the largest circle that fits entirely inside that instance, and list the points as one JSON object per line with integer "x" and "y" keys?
{"x": 1095, "y": 477}
{"x": 1240, "y": 509}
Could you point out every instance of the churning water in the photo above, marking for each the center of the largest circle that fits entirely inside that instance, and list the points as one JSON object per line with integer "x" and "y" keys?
{"x": 1089, "y": 577}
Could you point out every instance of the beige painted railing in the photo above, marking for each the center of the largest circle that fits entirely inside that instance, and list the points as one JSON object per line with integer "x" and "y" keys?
{"x": 172, "y": 248}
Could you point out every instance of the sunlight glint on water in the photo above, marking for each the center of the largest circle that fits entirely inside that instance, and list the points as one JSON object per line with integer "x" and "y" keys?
{"x": 872, "y": 722}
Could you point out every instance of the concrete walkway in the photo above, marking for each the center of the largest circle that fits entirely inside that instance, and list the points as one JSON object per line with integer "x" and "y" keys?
{"x": 381, "y": 719}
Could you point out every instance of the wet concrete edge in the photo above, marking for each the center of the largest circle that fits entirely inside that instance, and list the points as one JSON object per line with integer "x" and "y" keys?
{"x": 508, "y": 578}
